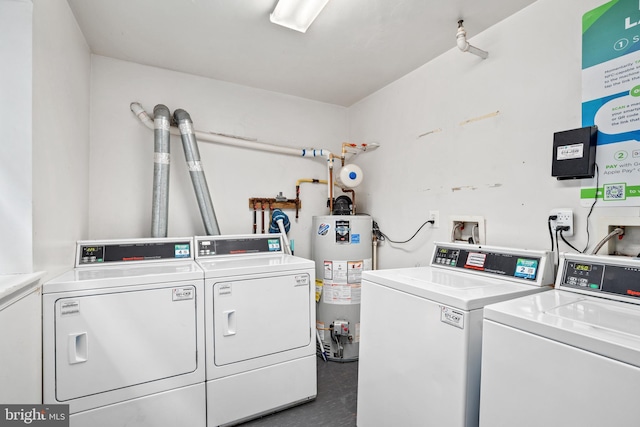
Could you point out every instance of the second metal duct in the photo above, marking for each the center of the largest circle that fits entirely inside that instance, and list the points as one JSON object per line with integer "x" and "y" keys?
{"x": 192, "y": 155}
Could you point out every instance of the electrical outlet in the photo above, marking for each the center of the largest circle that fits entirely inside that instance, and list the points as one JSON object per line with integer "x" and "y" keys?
{"x": 564, "y": 219}
{"x": 435, "y": 217}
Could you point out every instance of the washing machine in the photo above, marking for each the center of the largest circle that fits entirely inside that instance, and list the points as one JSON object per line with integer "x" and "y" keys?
{"x": 260, "y": 326}
{"x": 421, "y": 332}
{"x": 123, "y": 335}
{"x": 569, "y": 357}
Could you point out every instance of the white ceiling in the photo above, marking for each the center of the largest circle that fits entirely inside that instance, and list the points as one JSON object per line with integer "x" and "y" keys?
{"x": 354, "y": 47}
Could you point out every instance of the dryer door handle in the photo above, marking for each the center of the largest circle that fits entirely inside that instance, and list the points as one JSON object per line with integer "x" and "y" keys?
{"x": 78, "y": 348}
{"x": 229, "y": 323}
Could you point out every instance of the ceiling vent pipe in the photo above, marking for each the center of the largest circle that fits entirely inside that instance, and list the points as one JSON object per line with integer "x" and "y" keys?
{"x": 191, "y": 153}
{"x": 161, "y": 165}
{"x": 463, "y": 44}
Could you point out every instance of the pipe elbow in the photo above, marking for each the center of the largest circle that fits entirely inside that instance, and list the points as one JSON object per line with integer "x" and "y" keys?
{"x": 181, "y": 115}
{"x": 461, "y": 40}
{"x": 142, "y": 115}
{"x": 161, "y": 110}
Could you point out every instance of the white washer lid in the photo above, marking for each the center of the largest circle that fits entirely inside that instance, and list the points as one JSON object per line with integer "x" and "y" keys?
{"x": 110, "y": 276}
{"x": 221, "y": 266}
{"x": 460, "y": 290}
{"x": 601, "y": 326}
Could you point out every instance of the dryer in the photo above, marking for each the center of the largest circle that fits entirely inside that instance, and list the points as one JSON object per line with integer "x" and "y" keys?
{"x": 123, "y": 335}
{"x": 568, "y": 357}
{"x": 421, "y": 332}
{"x": 259, "y": 323}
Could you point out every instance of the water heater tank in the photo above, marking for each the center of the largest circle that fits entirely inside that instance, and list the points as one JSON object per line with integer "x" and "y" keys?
{"x": 342, "y": 249}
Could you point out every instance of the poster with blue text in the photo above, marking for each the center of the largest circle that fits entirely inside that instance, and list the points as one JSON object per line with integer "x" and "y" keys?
{"x": 611, "y": 100}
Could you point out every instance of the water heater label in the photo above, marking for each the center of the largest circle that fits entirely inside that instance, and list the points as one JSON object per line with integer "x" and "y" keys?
{"x": 452, "y": 316}
{"x": 323, "y": 229}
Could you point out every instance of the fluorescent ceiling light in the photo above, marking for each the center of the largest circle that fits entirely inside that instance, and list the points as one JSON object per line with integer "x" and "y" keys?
{"x": 297, "y": 14}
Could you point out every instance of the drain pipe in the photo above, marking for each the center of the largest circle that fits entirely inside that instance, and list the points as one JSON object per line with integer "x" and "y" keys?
{"x": 143, "y": 116}
{"x": 191, "y": 153}
{"x": 463, "y": 44}
{"x": 161, "y": 164}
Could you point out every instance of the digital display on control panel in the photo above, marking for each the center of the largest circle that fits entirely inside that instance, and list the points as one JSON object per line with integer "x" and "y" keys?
{"x": 147, "y": 251}
{"x": 496, "y": 263}
{"x": 235, "y": 246}
{"x": 603, "y": 278}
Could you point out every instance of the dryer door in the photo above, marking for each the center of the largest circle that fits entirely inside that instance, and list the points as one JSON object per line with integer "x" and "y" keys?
{"x": 121, "y": 339}
{"x": 259, "y": 316}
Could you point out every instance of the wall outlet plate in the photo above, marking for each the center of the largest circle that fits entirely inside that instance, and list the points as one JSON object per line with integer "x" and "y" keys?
{"x": 565, "y": 219}
{"x": 435, "y": 217}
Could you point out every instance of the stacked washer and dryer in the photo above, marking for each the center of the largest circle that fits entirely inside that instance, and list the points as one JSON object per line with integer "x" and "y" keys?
{"x": 139, "y": 333}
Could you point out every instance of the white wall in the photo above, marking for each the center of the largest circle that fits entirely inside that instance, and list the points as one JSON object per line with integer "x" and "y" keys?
{"x": 499, "y": 167}
{"x": 121, "y": 159}
{"x": 61, "y": 83}
{"x": 15, "y": 145}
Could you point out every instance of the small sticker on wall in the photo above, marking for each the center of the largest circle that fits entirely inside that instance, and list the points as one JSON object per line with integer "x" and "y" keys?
{"x": 452, "y": 316}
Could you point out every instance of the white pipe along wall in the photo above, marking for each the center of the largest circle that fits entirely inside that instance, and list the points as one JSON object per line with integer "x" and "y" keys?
{"x": 144, "y": 117}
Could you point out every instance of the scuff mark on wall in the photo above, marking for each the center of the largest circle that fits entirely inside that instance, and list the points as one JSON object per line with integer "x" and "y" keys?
{"x": 429, "y": 133}
{"x": 467, "y": 187}
{"x": 471, "y": 187}
{"x": 475, "y": 119}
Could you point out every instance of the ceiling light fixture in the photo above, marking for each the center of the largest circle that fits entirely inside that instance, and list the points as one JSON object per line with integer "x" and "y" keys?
{"x": 297, "y": 14}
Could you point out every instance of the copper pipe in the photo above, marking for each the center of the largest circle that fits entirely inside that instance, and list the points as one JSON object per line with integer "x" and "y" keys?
{"x": 331, "y": 191}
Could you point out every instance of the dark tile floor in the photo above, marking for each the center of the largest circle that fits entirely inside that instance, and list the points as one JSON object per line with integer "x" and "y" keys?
{"x": 335, "y": 405}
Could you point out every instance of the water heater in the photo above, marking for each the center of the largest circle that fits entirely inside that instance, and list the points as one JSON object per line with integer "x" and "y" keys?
{"x": 342, "y": 249}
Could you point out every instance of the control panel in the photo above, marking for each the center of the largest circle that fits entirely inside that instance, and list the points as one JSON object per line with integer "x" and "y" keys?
{"x": 135, "y": 250}
{"x": 608, "y": 277}
{"x": 529, "y": 266}
{"x": 209, "y": 246}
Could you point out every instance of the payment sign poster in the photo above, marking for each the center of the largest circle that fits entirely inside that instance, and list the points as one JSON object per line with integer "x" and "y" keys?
{"x": 611, "y": 100}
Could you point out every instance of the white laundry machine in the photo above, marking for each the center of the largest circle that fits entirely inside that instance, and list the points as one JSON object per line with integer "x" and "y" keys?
{"x": 123, "y": 335}
{"x": 568, "y": 357}
{"x": 421, "y": 332}
{"x": 260, "y": 320}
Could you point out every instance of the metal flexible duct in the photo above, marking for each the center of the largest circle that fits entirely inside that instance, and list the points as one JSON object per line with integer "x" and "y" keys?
{"x": 191, "y": 153}
{"x": 161, "y": 165}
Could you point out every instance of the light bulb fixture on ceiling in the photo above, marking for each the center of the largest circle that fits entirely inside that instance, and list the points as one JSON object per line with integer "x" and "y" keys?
{"x": 297, "y": 14}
